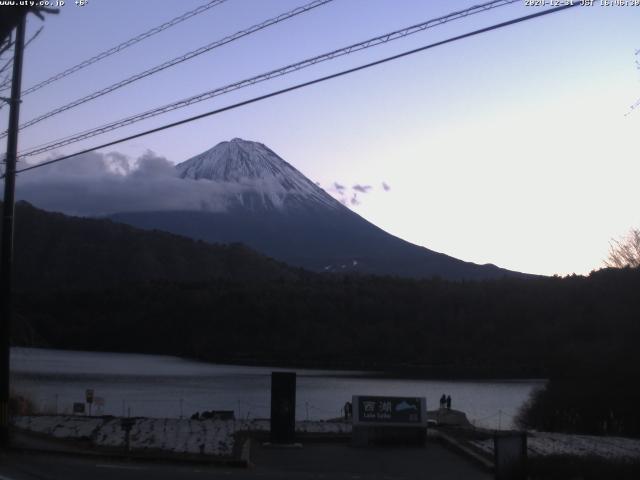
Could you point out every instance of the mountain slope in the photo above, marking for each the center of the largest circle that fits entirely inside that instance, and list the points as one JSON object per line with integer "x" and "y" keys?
{"x": 55, "y": 251}
{"x": 262, "y": 180}
{"x": 276, "y": 210}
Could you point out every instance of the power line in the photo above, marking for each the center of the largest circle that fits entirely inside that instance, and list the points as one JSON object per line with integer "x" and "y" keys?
{"x": 4, "y": 47}
{"x": 279, "y": 72}
{"x": 305, "y": 84}
{"x": 123, "y": 45}
{"x": 372, "y": 42}
{"x": 177, "y": 60}
{"x": 6, "y": 65}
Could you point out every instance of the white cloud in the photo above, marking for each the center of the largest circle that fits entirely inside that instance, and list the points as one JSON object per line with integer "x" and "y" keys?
{"x": 100, "y": 184}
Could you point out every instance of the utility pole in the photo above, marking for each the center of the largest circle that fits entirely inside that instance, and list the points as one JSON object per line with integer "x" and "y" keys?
{"x": 6, "y": 253}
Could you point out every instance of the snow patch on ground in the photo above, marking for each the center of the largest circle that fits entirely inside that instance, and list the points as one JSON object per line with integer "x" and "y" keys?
{"x": 204, "y": 437}
{"x": 547, "y": 443}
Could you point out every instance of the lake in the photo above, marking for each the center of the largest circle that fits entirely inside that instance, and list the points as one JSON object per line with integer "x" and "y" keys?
{"x": 165, "y": 386}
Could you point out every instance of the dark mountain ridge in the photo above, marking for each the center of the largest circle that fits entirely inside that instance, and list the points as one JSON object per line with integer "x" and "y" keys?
{"x": 56, "y": 251}
{"x": 322, "y": 241}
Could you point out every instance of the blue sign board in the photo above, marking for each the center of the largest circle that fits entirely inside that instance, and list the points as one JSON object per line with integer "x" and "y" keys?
{"x": 396, "y": 411}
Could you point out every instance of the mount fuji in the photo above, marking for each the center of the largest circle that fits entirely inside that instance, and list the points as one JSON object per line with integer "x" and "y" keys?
{"x": 263, "y": 181}
{"x": 273, "y": 208}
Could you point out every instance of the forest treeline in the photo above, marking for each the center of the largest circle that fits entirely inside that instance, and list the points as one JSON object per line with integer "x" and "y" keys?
{"x": 512, "y": 327}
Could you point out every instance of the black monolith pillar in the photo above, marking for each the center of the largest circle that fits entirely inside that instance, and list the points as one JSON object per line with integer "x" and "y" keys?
{"x": 510, "y": 455}
{"x": 283, "y": 407}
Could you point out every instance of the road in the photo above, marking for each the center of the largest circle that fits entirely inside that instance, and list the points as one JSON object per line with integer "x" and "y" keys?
{"x": 313, "y": 461}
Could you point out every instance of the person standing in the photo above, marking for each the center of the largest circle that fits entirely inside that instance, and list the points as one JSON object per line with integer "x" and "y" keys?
{"x": 348, "y": 411}
{"x": 443, "y": 400}
{"x": 448, "y": 402}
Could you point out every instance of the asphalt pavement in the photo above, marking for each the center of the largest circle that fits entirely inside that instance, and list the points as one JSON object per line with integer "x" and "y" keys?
{"x": 312, "y": 461}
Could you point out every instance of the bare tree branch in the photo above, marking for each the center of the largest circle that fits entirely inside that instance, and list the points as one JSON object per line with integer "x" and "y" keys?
{"x": 625, "y": 252}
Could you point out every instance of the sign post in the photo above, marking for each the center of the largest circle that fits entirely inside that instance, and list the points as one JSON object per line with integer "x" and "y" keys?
{"x": 127, "y": 424}
{"x": 88, "y": 394}
{"x": 378, "y": 419}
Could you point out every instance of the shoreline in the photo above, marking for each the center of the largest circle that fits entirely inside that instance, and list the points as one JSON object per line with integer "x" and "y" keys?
{"x": 400, "y": 372}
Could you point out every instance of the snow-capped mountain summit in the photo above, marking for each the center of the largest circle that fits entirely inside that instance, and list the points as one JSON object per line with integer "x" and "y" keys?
{"x": 273, "y": 208}
{"x": 261, "y": 178}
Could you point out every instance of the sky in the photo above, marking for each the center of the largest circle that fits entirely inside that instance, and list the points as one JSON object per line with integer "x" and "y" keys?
{"x": 517, "y": 147}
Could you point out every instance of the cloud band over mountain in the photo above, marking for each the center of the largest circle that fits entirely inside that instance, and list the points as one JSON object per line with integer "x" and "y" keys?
{"x": 99, "y": 184}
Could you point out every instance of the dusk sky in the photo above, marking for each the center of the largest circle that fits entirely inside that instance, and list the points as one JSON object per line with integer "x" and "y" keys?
{"x": 517, "y": 147}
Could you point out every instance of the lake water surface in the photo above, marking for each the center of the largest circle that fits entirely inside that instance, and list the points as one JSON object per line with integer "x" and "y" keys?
{"x": 164, "y": 386}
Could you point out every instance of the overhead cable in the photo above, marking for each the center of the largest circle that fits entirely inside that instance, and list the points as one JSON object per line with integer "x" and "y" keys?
{"x": 124, "y": 45}
{"x": 372, "y": 42}
{"x": 10, "y": 61}
{"x": 175, "y": 61}
{"x": 304, "y": 84}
